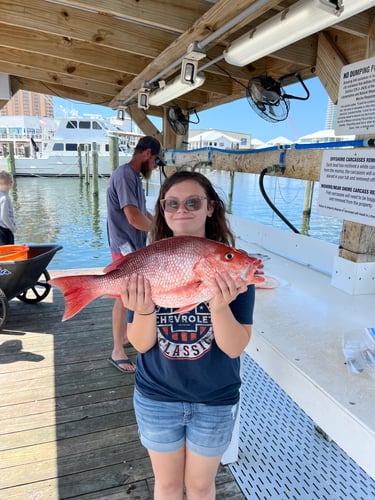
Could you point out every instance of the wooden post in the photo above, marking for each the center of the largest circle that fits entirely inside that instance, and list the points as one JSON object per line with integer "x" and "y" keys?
{"x": 79, "y": 162}
{"x": 230, "y": 191}
{"x": 95, "y": 170}
{"x": 113, "y": 153}
{"x": 358, "y": 240}
{"x": 307, "y": 202}
{"x": 87, "y": 164}
{"x": 11, "y": 160}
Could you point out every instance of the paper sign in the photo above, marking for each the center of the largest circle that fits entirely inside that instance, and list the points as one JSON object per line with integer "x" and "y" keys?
{"x": 347, "y": 185}
{"x": 356, "y": 102}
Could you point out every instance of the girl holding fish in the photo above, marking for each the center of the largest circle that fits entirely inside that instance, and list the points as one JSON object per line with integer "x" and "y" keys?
{"x": 188, "y": 367}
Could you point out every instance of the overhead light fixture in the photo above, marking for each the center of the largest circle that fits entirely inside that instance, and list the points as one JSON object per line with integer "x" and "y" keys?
{"x": 174, "y": 89}
{"x": 292, "y": 24}
{"x": 121, "y": 114}
{"x": 189, "y": 71}
{"x": 144, "y": 92}
{"x": 143, "y": 99}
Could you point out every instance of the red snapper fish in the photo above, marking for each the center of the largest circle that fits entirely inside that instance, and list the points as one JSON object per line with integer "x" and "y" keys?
{"x": 179, "y": 269}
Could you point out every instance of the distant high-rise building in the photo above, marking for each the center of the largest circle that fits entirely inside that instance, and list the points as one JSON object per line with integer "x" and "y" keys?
{"x": 25, "y": 103}
{"x": 331, "y": 115}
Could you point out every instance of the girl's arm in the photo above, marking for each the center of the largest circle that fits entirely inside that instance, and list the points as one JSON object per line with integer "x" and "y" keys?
{"x": 231, "y": 336}
{"x": 136, "y": 296}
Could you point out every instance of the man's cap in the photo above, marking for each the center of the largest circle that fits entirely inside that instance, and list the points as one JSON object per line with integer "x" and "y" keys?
{"x": 147, "y": 142}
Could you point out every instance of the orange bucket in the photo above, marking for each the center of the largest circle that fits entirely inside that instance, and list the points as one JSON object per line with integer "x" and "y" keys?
{"x": 13, "y": 252}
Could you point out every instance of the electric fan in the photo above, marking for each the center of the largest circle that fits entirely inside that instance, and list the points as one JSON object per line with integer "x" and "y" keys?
{"x": 269, "y": 100}
{"x": 178, "y": 121}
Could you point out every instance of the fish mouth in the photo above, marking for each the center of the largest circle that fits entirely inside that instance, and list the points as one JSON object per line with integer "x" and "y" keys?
{"x": 249, "y": 272}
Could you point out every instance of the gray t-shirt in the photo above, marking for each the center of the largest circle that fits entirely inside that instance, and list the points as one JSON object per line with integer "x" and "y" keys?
{"x": 125, "y": 188}
{"x": 7, "y": 212}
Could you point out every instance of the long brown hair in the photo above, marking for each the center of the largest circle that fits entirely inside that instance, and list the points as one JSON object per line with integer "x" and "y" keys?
{"x": 217, "y": 226}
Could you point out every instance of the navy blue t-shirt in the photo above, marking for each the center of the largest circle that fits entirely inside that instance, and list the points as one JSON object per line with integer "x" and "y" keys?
{"x": 186, "y": 364}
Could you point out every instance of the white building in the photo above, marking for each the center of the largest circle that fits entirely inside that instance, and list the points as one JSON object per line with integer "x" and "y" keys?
{"x": 236, "y": 141}
{"x": 327, "y": 135}
{"x": 218, "y": 139}
{"x": 279, "y": 141}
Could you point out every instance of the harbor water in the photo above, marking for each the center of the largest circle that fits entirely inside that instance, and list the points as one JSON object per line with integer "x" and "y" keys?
{"x": 64, "y": 211}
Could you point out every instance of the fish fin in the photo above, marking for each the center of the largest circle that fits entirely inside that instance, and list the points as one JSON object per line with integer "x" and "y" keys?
{"x": 183, "y": 309}
{"x": 78, "y": 292}
{"x": 113, "y": 266}
{"x": 190, "y": 289}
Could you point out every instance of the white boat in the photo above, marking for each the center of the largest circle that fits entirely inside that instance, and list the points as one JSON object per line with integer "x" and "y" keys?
{"x": 50, "y": 147}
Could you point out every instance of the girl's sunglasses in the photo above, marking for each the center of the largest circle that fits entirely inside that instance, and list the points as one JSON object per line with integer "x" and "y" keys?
{"x": 190, "y": 204}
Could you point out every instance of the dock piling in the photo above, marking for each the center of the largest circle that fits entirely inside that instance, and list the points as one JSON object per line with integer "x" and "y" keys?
{"x": 95, "y": 170}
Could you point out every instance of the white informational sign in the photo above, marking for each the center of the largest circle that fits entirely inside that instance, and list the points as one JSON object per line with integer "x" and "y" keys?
{"x": 347, "y": 185}
{"x": 356, "y": 102}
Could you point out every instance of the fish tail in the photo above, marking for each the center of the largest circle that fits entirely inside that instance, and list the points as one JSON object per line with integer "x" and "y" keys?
{"x": 78, "y": 292}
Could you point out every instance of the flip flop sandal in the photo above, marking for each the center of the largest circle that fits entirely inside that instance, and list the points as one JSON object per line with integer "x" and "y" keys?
{"x": 116, "y": 363}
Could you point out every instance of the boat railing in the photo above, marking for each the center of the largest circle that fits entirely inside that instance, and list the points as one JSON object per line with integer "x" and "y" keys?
{"x": 23, "y": 136}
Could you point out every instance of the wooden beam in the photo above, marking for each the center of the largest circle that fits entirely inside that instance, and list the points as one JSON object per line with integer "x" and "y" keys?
{"x": 217, "y": 83}
{"x": 50, "y": 65}
{"x": 358, "y": 25}
{"x": 300, "y": 164}
{"x": 99, "y": 48}
{"x": 371, "y": 35}
{"x": 303, "y": 51}
{"x": 352, "y": 48}
{"x": 3, "y": 102}
{"x": 85, "y": 25}
{"x": 217, "y": 16}
{"x": 329, "y": 63}
{"x": 144, "y": 123}
{"x": 164, "y": 14}
{"x": 75, "y": 51}
{"x": 18, "y": 83}
{"x": 230, "y": 10}
{"x": 50, "y": 77}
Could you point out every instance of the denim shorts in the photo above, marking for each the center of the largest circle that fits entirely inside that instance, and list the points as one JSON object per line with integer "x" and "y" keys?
{"x": 167, "y": 427}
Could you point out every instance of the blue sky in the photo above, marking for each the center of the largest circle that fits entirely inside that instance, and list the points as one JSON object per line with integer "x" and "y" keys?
{"x": 304, "y": 117}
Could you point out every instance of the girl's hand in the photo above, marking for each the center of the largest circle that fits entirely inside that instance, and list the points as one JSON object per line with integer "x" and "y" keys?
{"x": 225, "y": 291}
{"x": 136, "y": 294}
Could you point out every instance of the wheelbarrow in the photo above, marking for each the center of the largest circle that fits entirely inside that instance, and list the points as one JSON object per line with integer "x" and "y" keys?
{"x": 25, "y": 278}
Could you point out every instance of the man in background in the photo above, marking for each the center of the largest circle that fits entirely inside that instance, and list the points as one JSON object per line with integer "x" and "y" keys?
{"x": 128, "y": 224}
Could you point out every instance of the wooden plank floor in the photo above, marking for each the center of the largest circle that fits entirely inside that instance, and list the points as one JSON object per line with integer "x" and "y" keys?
{"x": 67, "y": 427}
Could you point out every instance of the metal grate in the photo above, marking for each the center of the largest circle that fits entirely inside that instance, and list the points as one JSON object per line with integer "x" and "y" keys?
{"x": 281, "y": 454}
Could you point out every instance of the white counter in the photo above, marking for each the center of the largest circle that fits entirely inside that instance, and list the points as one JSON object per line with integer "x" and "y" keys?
{"x": 297, "y": 339}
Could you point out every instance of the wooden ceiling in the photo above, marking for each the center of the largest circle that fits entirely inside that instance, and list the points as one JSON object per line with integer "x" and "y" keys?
{"x": 102, "y": 51}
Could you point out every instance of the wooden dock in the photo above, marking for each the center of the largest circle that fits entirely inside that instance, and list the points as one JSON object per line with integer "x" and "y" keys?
{"x": 67, "y": 426}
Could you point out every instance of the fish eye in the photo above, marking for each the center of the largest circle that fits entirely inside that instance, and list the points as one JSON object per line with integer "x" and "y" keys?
{"x": 229, "y": 256}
